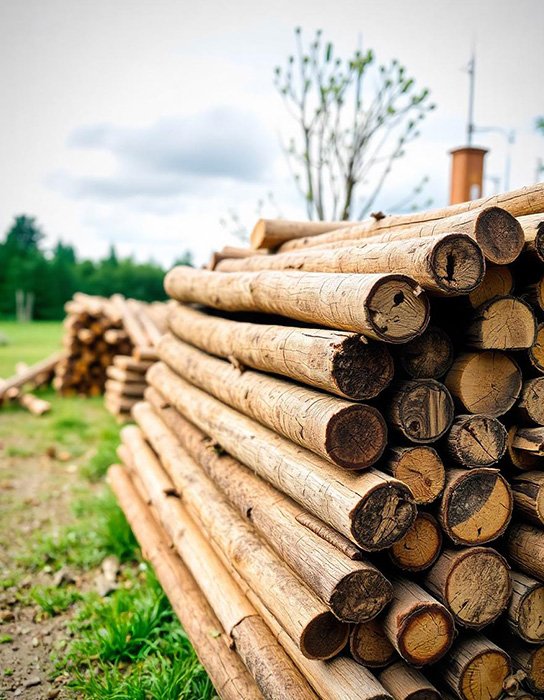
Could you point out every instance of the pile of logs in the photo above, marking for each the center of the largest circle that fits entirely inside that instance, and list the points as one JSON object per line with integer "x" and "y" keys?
{"x": 109, "y": 345}
{"x": 337, "y": 471}
{"x": 40, "y": 375}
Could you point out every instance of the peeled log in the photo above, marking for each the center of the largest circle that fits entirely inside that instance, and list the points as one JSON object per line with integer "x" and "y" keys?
{"x": 225, "y": 668}
{"x": 429, "y": 356}
{"x": 448, "y": 264}
{"x": 422, "y": 410}
{"x": 528, "y": 490}
{"x": 420, "y": 628}
{"x": 525, "y": 548}
{"x": 420, "y": 468}
{"x": 476, "y": 669}
{"x": 370, "y": 646}
{"x": 498, "y": 281}
{"x": 486, "y": 382}
{"x": 496, "y": 231}
{"x": 531, "y": 402}
{"x": 405, "y": 683}
{"x": 420, "y": 546}
{"x": 473, "y": 583}
{"x": 270, "y": 233}
{"x": 525, "y": 614}
{"x": 347, "y": 434}
{"x": 371, "y": 509}
{"x": 476, "y": 506}
{"x": 503, "y": 323}
{"x": 355, "y": 591}
{"x": 384, "y": 307}
{"x": 476, "y": 441}
{"x": 341, "y": 363}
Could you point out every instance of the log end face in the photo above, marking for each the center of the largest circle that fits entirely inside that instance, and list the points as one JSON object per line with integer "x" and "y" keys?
{"x": 384, "y": 516}
{"x": 426, "y": 635}
{"x": 324, "y": 637}
{"x": 484, "y": 676}
{"x": 420, "y": 547}
{"x": 499, "y": 235}
{"x": 397, "y": 308}
{"x": 481, "y": 441}
{"x": 537, "y": 671}
{"x": 423, "y": 471}
{"x": 531, "y": 616}
{"x": 361, "y": 595}
{"x": 457, "y": 264}
{"x": 356, "y": 437}
{"x": 426, "y": 411}
{"x": 362, "y": 370}
{"x": 370, "y": 646}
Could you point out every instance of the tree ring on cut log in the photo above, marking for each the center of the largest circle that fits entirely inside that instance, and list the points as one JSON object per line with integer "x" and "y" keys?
{"x": 531, "y": 615}
{"x": 420, "y": 546}
{"x": 426, "y": 634}
{"x": 532, "y": 400}
{"x": 428, "y": 356}
{"x": 498, "y": 281}
{"x": 421, "y": 469}
{"x": 383, "y": 517}
{"x": 369, "y": 645}
{"x": 356, "y": 437}
{"x": 324, "y": 637}
{"x": 478, "y": 587}
{"x": 476, "y": 508}
{"x": 535, "y": 678}
{"x": 484, "y": 675}
{"x": 362, "y": 370}
{"x": 502, "y": 323}
{"x": 361, "y": 595}
{"x": 397, "y": 308}
{"x": 499, "y": 235}
{"x": 457, "y": 264}
{"x": 477, "y": 440}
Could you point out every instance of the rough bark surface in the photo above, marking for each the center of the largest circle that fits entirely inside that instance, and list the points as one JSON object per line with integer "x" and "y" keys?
{"x": 405, "y": 683}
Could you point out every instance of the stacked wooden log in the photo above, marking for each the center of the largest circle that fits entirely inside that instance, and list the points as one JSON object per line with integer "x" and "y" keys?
{"x": 338, "y": 463}
{"x": 17, "y": 389}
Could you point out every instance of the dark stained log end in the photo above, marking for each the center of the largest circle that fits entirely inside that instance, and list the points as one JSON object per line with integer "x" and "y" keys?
{"x": 426, "y": 634}
{"x": 362, "y": 370}
{"x": 384, "y": 516}
{"x": 499, "y": 235}
{"x": 361, "y": 595}
{"x": 398, "y": 310}
{"x": 369, "y": 645}
{"x": 457, "y": 264}
{"x": 429, "y": 356}
{"x": 356, "y": 437}
{"x": 324, "y": 637}
{"x": 424, "y": 410}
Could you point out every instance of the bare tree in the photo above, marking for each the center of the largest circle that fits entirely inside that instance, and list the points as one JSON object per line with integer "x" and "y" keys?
{"x": 353, "y": 120}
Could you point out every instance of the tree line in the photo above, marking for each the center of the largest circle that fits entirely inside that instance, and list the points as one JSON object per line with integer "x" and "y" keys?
{"x": 36, "y": 282}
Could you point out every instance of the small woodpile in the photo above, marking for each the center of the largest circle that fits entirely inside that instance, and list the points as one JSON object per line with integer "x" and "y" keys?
{"x": 337, "y": 471}
{"x": 109, "y": 345}
{"x": 15, "y": 389}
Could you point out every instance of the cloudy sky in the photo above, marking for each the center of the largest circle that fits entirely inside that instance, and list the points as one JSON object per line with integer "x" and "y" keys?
{"x": 143, "y": 122}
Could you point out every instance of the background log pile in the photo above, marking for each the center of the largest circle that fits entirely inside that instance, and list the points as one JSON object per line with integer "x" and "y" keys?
{"x": 15, "y": 389}
{"x": 337, "y": 468}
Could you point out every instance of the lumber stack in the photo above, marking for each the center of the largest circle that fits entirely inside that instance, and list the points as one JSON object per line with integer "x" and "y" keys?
{"x": 341, "y": 449}
{"x": 17, "y": 389}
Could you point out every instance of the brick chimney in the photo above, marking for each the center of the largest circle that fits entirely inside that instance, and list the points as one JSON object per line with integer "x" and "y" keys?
{"x": 467, "y": 174}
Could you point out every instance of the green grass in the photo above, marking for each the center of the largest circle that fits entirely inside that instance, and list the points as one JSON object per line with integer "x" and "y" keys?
{"x": 54, "y": 600}
{"x": 27, "y": 342}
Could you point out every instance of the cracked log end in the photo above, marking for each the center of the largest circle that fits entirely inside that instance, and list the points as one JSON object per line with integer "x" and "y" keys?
{"x": 362, "y": 370}
{"x": 361, "y": 595}
{"x": 356, "y": 437}
{"x": 384, "y": 516}
{"x": 324, "y": 637}
{"x": 426, "y": 635}
{"x": 499, "y": 235}
{"x": 421, "y": 469}
{"x": 397, "y": 310}
{"x": 457, "y": 264}
{"x": 477, "y": 440}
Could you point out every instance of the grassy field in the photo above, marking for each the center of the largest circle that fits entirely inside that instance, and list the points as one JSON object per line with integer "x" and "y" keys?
{"x": 27, "y": 342}
{"x": 58, "y": 522}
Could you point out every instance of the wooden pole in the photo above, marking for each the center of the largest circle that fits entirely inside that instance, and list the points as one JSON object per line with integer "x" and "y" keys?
{"x": 525, "y": 614}
{"x": 420, "y": 546}
{"x": 370, "y": 646}
{"x": 350, "y": 435}
{"x": 476, "y": 505}
{"x": 420, "y": 628}
{"x": 421, "y": 410}
{"x": 486, "y": 382}
{"x": 405, "y": 683}
{"x": 420, "y": 468}
{"x": 270, "y": 233}
{"x": 502, "y": 323}
{"x": 473, "y": 583}
{"x": 528, "y": 490}
{"x": 355, "y": 591}
{"x": 525, "y": 549}
{"x": 429, "y": 356}
{"x": 358, "y": 506}
{"x": 384, "y": 307}
{"x": 448, "y": 264}
{"x": 476, "y": 441}
{"x": 306, "y": 619}
{"x": 345, "y": 364}
{"x": 225, "y": 668}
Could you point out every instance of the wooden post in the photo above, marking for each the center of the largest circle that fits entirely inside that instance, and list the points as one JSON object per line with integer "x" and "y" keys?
{"x": 473, "y": 583}
{"x": 370, "y": 646}
{"x": 422, "y": 410}
{"x": 347, "y": 434}
{"x": 476, "y": 441}
{"x": 384, "y": 307}
{"x": 429, "y": 356}
{"x": 420, "y": 546}
{"x": 525, "y": 548}
{"x": 341, "y": 363}
{"x": 448, "y": 264}
{"x": 420, "y": 628}
{"x": 405, "y": 683}
{"x": 476, "y": 506}
{"x": 502, "y": 323}
{"x": 525, "y": 614}
{"x": 486, "y": 382}
{"x": 420, "y": 468}
{"x": 355, "y": 505}
{"x": 355, "y": 591}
